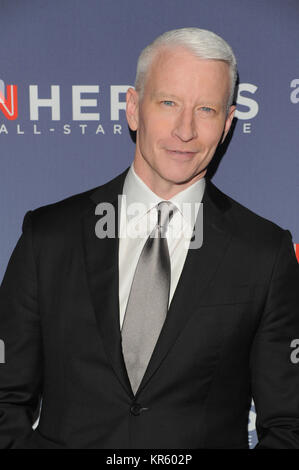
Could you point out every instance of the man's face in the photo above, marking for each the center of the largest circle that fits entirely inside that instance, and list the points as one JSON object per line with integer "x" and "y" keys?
{"x": 180, "y": 119}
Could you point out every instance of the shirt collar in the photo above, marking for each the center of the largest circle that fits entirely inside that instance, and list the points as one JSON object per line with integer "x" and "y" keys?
{"x": 192, "y": 197}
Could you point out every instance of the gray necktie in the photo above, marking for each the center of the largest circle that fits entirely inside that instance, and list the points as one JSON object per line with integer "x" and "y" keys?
{"x": 148, "y": 300}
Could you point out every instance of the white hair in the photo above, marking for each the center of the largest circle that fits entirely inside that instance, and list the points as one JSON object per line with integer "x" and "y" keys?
{"x": 202, "y": 43}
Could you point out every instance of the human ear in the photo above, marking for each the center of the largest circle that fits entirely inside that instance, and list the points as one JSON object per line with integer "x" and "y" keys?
{"x": 132, "y": 100}
{"x": 228, "y": 121}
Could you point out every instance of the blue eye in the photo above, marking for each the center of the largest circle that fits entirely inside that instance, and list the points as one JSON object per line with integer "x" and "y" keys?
{"x": 168, "y": 102}
{"x": 206, "y": 109}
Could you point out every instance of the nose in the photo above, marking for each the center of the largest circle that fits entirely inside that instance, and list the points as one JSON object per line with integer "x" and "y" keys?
{"x": 185, "y": 128}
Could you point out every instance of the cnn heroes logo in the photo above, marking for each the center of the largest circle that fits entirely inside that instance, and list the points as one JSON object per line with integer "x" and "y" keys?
{"x": 9, "y": 107}
{"x": 89, "y": 96}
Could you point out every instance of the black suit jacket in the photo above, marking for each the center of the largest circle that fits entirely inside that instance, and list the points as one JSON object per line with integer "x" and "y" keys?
{"x": 226, "y": 337}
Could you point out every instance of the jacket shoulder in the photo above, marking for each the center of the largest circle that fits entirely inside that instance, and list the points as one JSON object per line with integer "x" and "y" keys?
{"x": 63, "y": 214}
{"x": 248, "y": 225}
{"x": 60, "y": 213}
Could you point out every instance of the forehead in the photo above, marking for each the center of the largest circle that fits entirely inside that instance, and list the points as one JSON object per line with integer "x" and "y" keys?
{"x": 177, "y": 70}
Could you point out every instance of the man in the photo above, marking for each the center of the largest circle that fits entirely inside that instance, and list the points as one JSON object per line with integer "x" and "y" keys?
{"x": 152, "y": 341}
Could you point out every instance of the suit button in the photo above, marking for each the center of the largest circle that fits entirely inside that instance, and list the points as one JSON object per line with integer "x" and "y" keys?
{"x": 136, "y": 409}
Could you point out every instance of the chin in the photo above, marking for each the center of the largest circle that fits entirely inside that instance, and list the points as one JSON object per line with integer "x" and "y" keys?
{"x": 179, "y": 180}
{"x": 177, "y": 176}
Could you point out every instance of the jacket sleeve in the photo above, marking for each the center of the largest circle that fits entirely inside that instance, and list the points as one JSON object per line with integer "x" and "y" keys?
{"x": 274, "y": 375}
{"x": 21, "y": 373}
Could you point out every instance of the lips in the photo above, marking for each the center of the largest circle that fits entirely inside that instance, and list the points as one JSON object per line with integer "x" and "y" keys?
{"x": 181, "y": 153}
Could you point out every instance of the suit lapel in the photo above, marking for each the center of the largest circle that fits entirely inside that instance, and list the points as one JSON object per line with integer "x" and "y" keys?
{"x": 202, "y": 263}
{"x": 101, "y": 258}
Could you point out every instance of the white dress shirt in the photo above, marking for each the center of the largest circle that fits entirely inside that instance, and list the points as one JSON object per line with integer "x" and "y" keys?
{"x": 139, "y": 216}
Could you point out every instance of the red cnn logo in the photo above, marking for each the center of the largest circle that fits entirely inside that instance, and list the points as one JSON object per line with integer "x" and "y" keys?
{"x": 9, "y": 105}
{"x": 297, "y": 251}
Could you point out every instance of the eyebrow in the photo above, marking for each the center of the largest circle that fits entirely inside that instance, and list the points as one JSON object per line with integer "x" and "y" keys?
{"x": 162, "y": 94}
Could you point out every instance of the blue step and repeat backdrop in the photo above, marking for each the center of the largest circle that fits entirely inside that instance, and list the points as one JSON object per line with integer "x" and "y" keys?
{"x": 65, "y": 66}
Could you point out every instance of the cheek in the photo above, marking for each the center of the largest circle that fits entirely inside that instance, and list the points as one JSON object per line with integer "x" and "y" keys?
{"x": 152, "y": 133}
{"x": 210, "y": 133}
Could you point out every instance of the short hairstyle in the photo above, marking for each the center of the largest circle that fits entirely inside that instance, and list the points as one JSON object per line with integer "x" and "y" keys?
{"x": 202, "y": 43}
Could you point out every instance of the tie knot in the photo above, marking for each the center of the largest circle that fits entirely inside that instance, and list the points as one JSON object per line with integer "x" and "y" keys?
{"x": 165, "y": 212}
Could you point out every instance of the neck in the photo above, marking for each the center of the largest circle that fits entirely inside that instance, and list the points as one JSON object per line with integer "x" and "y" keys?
{"x": 163, "y": 188}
